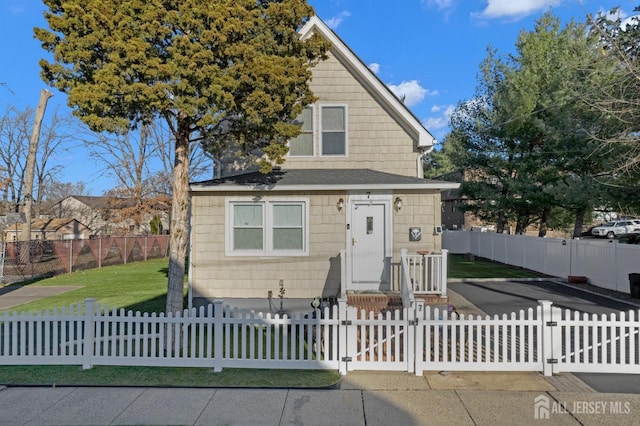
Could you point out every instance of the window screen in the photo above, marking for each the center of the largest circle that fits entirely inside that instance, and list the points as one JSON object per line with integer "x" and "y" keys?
{"x": 303, "y": 144}
{"x": 334, "y": 134}
{"x": 247, "y": 227}
{"x": 287, "y": 227}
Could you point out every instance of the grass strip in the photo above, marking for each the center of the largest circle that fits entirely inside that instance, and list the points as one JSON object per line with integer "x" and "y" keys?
{"x": 73, "y": 375}
{"x": 461, "y": 267}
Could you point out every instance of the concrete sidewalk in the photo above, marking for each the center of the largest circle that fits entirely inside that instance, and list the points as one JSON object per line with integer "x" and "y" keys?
{"x": 364, "y": 398}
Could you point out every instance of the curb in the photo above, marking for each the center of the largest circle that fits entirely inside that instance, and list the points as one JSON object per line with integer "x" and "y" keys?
{"x": 563, "y": 283}
{"x": 485, "y": 280}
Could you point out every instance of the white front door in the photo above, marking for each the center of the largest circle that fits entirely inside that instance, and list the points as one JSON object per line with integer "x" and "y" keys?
{"x": 369, "y": 257}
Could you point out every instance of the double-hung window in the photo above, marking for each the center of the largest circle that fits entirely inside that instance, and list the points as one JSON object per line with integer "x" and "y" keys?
{"x": 248, "y": 227}
{"x": 302, "y": 145}
{"x": 333, "y": 130}
{"x": 267, "y": 228}
{"x": 329, "y": 127}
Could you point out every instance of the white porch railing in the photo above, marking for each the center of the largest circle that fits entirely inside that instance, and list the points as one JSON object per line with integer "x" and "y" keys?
{"x": 417, "y": 274}
{"x": 406, "y": 286}
{"x": 427, "y": 273}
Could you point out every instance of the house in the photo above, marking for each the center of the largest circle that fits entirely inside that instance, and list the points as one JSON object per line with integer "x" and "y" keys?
{"x": 49, "y": 229}
{"x": 108, "y": 215}
{"x": 454, "y": 216}
{"x": 349, "y": 197}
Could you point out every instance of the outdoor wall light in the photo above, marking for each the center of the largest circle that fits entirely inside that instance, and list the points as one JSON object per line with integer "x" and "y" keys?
{"x": 397, "y": 203}
{"x": 315, "y": 303}
{"x": 340, "y": 204}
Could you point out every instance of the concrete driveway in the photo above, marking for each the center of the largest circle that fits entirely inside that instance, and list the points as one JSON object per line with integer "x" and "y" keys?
{"x": 15, "y": 295}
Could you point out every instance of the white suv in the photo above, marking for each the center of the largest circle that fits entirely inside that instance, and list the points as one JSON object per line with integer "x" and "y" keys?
{"x": 615, "y": 228}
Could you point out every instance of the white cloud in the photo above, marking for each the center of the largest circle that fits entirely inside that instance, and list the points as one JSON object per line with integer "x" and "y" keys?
{"x": 17, "y": 7}
{"x": 411, "y": 91}
{"x": 440, "y": 4}
{"x": 335, "y": 21}
{"x": 619, "y": 14}
{"x": 631, "y": 21}
{"x": 514, "y": 8}
{"x": 441, "y": 119}
{"x": 374, "y": 67}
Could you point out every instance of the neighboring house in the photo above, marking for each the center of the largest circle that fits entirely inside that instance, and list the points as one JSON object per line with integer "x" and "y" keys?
{"x": 49, "y": 229}
{"x": 352, "y": 182}
{"x": 104, "y": 214}
{"x": 453, "y": 217}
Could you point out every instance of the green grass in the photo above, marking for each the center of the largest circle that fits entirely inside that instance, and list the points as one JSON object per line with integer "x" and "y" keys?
{"x": 139, "y": 286}
{"x": 142, "y": 286}
{"x": 49, "y": 375}
{"x": 462, "y": 268}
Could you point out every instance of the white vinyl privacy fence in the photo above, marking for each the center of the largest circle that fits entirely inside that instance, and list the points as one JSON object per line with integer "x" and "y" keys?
{"x": 412, "y": 339}
{"x": 605, "y": 263}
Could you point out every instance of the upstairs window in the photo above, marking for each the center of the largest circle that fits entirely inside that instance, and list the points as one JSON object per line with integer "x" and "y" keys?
{"x": 333, "y": 130}
{"x": 302, "y": 146}
{"x": 330, "y": 132}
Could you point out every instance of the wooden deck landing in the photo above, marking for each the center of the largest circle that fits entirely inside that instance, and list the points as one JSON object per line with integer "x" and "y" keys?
{"x": 377, "y": 302}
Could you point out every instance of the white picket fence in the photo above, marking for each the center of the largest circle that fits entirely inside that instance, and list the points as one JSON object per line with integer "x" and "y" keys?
{"x": 605, "y": 263}
{"x": 412, "y": 339}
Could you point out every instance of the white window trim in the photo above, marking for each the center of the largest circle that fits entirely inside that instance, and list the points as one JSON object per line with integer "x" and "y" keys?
{"x": 346, "y": 130}
{"x": 314, "y": 132}
{"x": 267, "y": 226}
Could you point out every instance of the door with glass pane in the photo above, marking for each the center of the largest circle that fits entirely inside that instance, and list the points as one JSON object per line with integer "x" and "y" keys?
{"x": 368, "y": 260}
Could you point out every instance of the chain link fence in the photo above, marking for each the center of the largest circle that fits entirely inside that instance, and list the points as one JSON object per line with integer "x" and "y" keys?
{"x": 21, "y": 261}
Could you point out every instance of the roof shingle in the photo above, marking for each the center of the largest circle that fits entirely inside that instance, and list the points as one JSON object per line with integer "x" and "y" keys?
{"x": 318, "y": 179}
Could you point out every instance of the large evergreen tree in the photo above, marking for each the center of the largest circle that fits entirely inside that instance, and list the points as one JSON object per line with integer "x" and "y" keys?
{"x": 219, "y": 71}
{"x": 615, "y": 94}
{"x": 528, "y": 135}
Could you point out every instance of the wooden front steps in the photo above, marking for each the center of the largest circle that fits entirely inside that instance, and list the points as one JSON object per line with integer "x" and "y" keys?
{"x": 378, "y": 302}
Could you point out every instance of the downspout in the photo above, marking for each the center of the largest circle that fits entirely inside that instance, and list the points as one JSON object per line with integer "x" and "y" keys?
{"x": 190, "y": 254}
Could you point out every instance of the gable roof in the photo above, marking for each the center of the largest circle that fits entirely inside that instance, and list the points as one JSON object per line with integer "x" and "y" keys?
{"x": 319, "y": 180}
{"x": 377, "y": 88}
{"x": 94, "y": 202}
{"x": 44, "y": 225}
{"x": 102, "y": 202}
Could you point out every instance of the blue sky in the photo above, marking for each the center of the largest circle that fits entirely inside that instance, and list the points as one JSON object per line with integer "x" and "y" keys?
{"x": 427, "y": 50}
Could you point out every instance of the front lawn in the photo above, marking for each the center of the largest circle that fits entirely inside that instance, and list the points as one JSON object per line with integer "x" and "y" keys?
{"x": 142, "y": 287}
{"x": 461, "y": 267}
{"x": 61, "y": 375}
{"x": 138, "y": 286}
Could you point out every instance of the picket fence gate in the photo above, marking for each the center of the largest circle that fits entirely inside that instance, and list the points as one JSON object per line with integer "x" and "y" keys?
{"x": 414, "y": 339}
